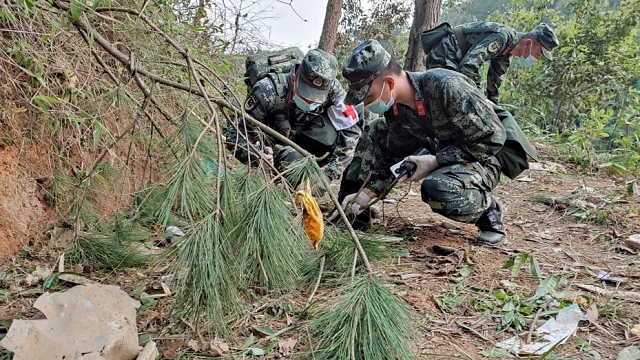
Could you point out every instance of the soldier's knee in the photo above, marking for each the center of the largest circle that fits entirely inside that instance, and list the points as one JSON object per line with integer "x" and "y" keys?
{"x": 439, "y": 190}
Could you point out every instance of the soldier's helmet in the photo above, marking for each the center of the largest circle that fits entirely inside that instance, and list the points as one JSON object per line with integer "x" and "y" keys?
{"x": 547, "y": 38}
{"x": 315, "y": 76}
{"x": 366, "y": 62}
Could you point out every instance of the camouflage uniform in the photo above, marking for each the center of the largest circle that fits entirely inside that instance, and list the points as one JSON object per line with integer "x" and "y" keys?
{"x": 461, "y": 187}
{"x": 271, "y": 103}
{"x": 449, "y": 109}
{"x": 481, "y": 42}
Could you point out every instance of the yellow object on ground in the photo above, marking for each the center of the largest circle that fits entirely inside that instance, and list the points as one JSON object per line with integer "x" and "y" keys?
{"x": 311, "y": 215}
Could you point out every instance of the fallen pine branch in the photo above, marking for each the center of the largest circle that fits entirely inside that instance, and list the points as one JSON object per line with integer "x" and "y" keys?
{"x": 618, "y": 294}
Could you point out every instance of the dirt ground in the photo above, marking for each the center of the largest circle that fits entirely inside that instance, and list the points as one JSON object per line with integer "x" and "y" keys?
{"x": 572, "y": 225}
{"x": 567, "y": 245}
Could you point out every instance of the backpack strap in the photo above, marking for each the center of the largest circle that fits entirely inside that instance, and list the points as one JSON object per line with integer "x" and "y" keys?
{"x": 279, "y": 81}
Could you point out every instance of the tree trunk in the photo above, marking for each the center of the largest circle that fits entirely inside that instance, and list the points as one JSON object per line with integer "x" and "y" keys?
{"x": 200, "y": 13}
{"x": 330, "y": 27}
{"x": 425, "y": 16}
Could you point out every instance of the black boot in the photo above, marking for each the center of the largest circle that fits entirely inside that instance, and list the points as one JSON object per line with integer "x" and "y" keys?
{"x": 490, "y": 228}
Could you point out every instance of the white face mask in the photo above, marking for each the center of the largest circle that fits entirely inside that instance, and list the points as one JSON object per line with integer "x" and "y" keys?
{"x": 528, "y": 61}
{"x": 303, "y": 105}
{"x": 378, "y": 106}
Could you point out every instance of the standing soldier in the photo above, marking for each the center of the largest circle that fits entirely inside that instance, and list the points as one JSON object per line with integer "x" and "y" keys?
{"x": 465, "y": 48}
{"x": 305, "y": 105}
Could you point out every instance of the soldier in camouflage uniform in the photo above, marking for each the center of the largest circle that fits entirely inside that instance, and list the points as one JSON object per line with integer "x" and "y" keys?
{"x": 467, "y": 47}
{"x": 457, "y": 179}
{"x": 307, "y": 107}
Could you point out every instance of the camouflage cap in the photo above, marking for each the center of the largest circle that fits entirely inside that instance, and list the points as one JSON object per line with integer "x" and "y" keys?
{"x": 547, "y": 38}
{"x": 315, "y": 75}
{"x": 365, "y": 63}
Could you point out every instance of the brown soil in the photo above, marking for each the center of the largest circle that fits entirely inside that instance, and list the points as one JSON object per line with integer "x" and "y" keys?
{"x": 563, "y": 244}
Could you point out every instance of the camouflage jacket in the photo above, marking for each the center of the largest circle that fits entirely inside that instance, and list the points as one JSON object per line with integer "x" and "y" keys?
{"x": 276, "y": 109}
{"x": 449, "y": 109}
{"x": 485, "y": 41}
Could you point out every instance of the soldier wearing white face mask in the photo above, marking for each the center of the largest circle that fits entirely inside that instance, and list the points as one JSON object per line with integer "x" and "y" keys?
{"x": 306, "y": 105}
{"x": 465, "y": 48}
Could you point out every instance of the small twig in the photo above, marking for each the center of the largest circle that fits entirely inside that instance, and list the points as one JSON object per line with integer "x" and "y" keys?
{"x": 313, "y": 356}
{"x": 472, "y": 330}
{"x": 533, "y": 325}
{"x": 280, "y": 332}
{"x": 264, "y": 273}
{"x": 292, "y": 8}
{"x": 353, "y": 267}
{"x": 317, "y": 281}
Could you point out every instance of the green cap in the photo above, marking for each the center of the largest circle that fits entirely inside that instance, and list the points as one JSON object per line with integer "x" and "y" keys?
{"x": 547, "y": 38}
{"x": 365, "y": 63}
{"x": 317, "y": 71}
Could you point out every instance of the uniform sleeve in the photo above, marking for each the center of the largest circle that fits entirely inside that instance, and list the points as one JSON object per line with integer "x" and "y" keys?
{"x": 497, "y": 69}
{"x": 395, "y": 146}
{"x": 343, "y": 153}
{"x": 257, "y": 105}
{"x": 337, "y": 93}
{"x": 481, "y": 132}
{"x": 480, "y": 52}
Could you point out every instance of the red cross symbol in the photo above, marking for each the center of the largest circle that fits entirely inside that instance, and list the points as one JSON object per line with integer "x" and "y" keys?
{"x": 350, "y": 112}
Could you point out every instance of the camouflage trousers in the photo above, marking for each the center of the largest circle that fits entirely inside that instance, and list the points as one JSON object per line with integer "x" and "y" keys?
{"x": 461, "y": 192}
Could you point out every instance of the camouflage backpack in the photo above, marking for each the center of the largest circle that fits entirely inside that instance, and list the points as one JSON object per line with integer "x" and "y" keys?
{"x": 273, "y": 64}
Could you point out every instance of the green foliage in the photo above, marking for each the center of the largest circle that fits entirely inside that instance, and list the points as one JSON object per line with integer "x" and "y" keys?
{"x": 517, "y": 261}
{"x": 451, "y": 299}
{"x": 338, "y": 249}
{"x": 387, "y": 21}
{"x": 586, "y": 95}
{"x": 460, "y": 12}
{"x": 270, "y": 242}
{"x": 365, "y": 322}
{"x": 204, "y": 277}
{"x": 108, "y": 243}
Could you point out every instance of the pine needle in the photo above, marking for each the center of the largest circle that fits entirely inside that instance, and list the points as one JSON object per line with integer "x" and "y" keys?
{"x": 339, "y": 249}
{"x": 188, "y": 193}
{"x": 302, "y": 170}
{"x": 270, "y": 241}
{"x": 366, "y": 322}
{"x": 109, "y": 244}
{"x": 204, "y": 279}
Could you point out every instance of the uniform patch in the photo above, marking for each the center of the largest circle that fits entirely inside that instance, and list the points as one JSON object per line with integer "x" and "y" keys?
{"x": 251, "y": 102}
{"x": 495, "y": 46}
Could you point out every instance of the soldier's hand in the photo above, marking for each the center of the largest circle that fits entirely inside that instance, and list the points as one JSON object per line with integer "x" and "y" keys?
{"x": 267, "y": 158}
{"x": 356, "y": 203}
{"x": 425, "y": 164}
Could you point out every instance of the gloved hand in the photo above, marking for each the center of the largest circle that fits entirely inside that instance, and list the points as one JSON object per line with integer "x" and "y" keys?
{"x": 358, "y": 204}
{"x": 425, "y": 164}
{"x": 267, "y": 158}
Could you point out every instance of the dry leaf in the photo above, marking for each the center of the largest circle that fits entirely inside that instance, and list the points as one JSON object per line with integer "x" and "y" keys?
{"x": 592, "y": 312}
{"x": 635, "y": 330}
{"x": 287, "y": 346}
{"x": 579, "y": 300}
{"x": 219, "y": 348}
{"x": 166, "y": 289}
{"x": 193, "y": 344}
{"x": 75, "y": 279}
{"x": 311, "y": 215}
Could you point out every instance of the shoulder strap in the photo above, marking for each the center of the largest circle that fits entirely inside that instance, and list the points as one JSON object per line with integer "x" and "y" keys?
{"x": 279, "y": 81}
{"x": 462, "y": 41}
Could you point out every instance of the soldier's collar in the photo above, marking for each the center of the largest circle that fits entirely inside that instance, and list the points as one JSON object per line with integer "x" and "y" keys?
{"x": 414, "y": 79}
